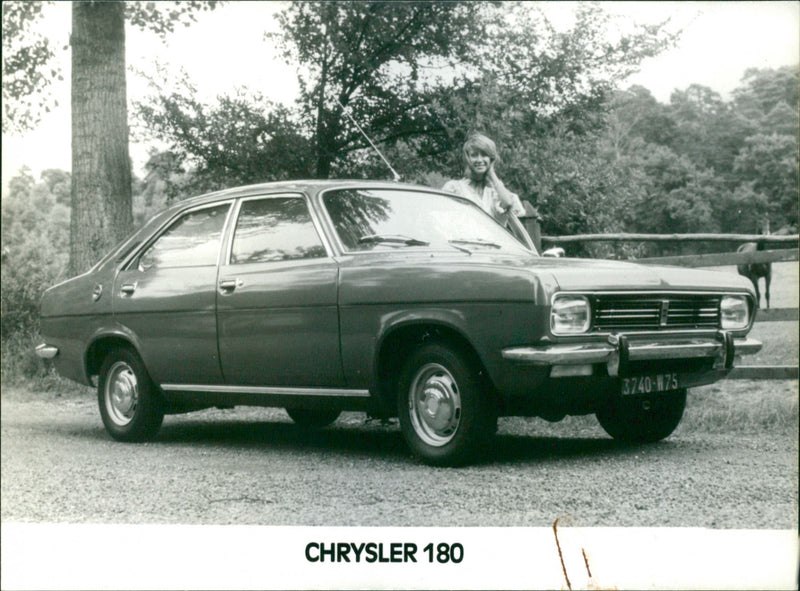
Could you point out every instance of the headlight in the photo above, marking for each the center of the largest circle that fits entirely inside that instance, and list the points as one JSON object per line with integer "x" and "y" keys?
{"x": 734, "y": 312}
{"x": 570, "y": 315}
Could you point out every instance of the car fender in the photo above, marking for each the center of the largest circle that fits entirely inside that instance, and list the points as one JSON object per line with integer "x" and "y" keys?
{"x": 101, "y": 340}
{"x": 451, "y": 323}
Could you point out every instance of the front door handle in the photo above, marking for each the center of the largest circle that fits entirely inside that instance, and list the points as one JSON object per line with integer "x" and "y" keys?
{"x": 228, "y": 285}
{"x": 128, "y": 288}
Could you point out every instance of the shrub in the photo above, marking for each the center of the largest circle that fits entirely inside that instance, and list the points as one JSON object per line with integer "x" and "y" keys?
{"x": 35, "y": 231}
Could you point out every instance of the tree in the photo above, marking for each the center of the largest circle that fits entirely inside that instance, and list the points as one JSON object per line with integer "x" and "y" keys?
{"x": 770, "y": 164}
{"x": 709, "y": 131}
{"x": 371, "y": 58}
{"x": 242, "y": 139}
{"x": 27, "y": 73}
{"x": 762, "y": 89}
{"x": 102, "y": 211}
{"x": 634, "y": 115}
{"x": 101, "y": 177}
{"x": 544, "y": 94}
{"x": 35, "y": 229}
{"x": 677, "y": 196}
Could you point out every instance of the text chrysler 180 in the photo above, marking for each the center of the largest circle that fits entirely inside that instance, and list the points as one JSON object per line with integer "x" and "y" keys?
{"x": 397, "y": 300}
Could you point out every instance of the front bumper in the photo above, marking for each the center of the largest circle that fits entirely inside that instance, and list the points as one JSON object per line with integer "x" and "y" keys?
{"x": 619, "y": 350}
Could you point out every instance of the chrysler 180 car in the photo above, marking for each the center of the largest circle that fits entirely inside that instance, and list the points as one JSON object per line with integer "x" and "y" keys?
{"x": 393, "y": 299}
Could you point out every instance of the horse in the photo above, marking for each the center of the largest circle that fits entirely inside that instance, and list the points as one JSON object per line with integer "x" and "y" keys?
{"x": 754, "y": 271}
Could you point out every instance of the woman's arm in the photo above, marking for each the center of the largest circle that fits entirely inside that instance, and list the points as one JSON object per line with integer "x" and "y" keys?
{"x": 509, "y": 201}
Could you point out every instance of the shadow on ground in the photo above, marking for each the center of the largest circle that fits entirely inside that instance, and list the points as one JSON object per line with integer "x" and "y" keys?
{"x": 384, "y": 442}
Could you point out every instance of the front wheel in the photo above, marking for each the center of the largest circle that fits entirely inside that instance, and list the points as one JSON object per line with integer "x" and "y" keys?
{"x": 643, "y": 419}
{"x": 443, "y": 416}
{"x": 130, "y": 406}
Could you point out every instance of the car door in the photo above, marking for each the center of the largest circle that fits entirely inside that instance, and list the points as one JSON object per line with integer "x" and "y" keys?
{"x": 277, "y": 299}
{"x": 166, "y": 297}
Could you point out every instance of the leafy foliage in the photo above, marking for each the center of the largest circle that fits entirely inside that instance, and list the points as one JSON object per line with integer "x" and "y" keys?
{"x": 35, "y": 228}
{"x": 242, "y": 139}
{"x": 374, "y": 59}
{"x": 733, "y": 164}
{"x": 27, "y": 69}
{"x": 28, "y": 65}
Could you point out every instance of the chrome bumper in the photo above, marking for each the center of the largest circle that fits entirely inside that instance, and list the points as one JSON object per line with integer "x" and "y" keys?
{"x": 619, "y": 349}
{"x": 46, "y": 351}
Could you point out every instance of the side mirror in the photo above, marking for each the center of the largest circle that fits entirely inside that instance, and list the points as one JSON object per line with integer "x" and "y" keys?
{"x": 555, "y": 252}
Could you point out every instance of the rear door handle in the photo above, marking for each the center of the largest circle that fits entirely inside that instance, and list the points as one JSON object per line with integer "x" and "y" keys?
{"x": 228, "y": 285}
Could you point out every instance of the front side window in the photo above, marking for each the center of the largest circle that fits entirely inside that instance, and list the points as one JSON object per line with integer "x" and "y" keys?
{"x": 191, "y": 241}
{"x": 367, "y": 219}
{"x": 275, "y": 229}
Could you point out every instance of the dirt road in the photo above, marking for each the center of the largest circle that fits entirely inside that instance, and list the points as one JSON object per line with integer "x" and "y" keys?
{"x": 252, "y": 466}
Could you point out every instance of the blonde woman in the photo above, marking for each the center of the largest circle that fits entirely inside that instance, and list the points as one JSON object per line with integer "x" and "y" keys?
{"x": 480, "y": 182}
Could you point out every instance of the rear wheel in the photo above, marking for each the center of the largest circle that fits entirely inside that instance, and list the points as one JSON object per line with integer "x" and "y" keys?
{"x": 443, "y": 416}
{"x": 643, "y": 419}
{"x": 312, "y": 419}
{"x": 130, "y": 406}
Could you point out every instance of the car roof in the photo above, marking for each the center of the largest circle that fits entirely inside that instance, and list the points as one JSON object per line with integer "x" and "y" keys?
{"x": 311, "y": 186}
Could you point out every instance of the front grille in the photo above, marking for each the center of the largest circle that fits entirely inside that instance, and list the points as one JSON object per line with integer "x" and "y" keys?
{"x": 654, "y": 312}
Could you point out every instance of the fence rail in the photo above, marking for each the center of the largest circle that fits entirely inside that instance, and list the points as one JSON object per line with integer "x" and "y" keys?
{"x": 777, "y": 314}
{"x": 764, "y": 372}
{"x": 624, "y": 237}
{"x": 722, "y": 259}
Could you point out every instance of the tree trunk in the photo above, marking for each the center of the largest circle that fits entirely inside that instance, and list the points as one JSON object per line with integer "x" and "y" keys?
{"x": 101, "y": 169}
{"x": 323, "y": 168}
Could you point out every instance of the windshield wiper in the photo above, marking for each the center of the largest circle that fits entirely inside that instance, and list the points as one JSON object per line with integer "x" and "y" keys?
{"x": 391, "y": 239}
{"x": 476, "y": 243}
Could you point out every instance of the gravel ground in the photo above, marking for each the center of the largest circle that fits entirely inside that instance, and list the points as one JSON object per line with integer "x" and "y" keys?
{"x": 252, "y": 466}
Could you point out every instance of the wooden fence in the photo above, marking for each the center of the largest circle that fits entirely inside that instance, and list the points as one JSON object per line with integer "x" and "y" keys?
{"x": 746, "y": 372}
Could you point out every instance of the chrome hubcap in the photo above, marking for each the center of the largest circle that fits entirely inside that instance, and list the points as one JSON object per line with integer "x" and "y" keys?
{"x": 121, "y": 393}
{"x": 434, "y": 403}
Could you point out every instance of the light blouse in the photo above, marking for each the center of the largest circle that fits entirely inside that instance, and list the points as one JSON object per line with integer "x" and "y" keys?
{"x": 487, "y": 199}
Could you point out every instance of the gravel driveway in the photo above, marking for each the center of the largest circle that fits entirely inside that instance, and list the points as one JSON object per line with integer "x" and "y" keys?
{"x": 252, "y": 466}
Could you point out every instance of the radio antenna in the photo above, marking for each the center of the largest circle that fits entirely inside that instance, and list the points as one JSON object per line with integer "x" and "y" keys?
{"x": 374, "y": 147}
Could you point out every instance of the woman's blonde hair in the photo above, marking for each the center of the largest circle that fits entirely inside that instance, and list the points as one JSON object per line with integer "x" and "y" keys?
{"x": 482, "y": 143}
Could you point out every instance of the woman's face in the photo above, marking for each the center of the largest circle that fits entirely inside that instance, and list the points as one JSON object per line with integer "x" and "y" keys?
{"x": 478, "y": 162}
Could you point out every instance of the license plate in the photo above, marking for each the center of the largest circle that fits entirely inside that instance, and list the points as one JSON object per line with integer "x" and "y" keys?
{"x": 649, "y": 384}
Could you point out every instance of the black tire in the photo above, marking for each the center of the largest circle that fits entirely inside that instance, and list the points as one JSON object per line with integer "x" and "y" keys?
{"x": 644, "y": 419}
{"x": 130, "y": 404}
{"x": 444, "y": 417}
{"x": 312, "y": 419}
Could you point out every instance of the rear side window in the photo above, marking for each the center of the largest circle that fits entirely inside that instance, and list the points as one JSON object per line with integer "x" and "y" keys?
{"x": 191, "y": 241}
{"x": 275, "y": 229}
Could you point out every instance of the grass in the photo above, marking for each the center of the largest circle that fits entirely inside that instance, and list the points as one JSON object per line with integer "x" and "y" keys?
{"x": 781, "y": 344}
{"x": 25, "y": 376}
{"x": 743, "y": 406}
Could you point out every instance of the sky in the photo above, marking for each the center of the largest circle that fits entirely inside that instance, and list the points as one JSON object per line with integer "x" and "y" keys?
{"x": 226, "y": 48}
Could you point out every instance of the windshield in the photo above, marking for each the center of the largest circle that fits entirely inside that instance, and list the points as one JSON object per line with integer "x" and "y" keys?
{"x": 368, "y": 219}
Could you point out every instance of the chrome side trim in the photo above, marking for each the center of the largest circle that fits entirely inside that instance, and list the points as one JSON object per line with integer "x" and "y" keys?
{"x": 561, "y": 354}
{"x": 45, "y": 351}
{"x": 273, "y": 390}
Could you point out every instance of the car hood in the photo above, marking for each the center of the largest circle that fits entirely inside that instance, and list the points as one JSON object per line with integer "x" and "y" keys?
{"x": 593, "y": 274}
{"x": 566, "y": 274}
